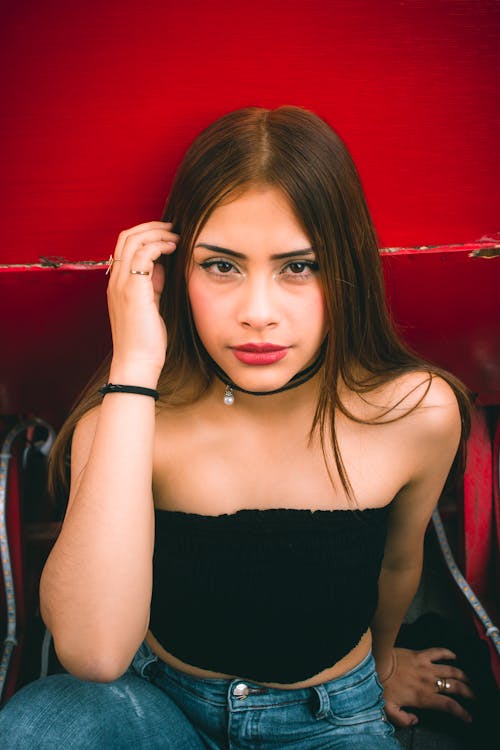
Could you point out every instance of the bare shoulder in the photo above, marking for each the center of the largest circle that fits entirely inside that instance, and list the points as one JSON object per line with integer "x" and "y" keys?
{"x": 428, "y": 410}
{"x": 427, "y": 437}
{"x": 423, "y": 395}
{"x": 418, "y": 418}
{"x": 433, "y": 405}
{"x": 429, "y": 434}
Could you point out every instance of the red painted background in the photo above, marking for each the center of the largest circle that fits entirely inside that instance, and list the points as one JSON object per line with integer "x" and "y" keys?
{"x": 101, "y": 98}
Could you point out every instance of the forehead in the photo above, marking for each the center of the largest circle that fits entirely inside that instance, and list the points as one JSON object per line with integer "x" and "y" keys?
{"x": 258, "y": 211}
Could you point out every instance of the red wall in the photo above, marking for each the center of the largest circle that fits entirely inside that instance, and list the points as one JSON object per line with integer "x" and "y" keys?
{"x": 101, "y": 98}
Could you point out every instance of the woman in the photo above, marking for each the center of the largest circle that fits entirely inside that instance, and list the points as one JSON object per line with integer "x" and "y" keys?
{"x": 281, "y": 484}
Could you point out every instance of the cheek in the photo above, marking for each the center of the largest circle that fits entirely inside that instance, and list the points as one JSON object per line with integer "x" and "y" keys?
{"x": 313, "y": 311}
{"x": 204, "y": 306}
{"x": 322, "y": 312}
{"x": 197, "y": 300}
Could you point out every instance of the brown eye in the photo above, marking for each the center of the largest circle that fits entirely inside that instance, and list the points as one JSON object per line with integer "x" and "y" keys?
{"x": 297, "y": 267}
{"x": 302, "y": 267}
{"x": 223, "y": 267}
{"x": 217, "y": 267}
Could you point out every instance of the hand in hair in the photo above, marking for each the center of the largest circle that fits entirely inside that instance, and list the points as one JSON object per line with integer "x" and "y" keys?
{"x": 412, "y": 683}
{"x": 138, "y": 330}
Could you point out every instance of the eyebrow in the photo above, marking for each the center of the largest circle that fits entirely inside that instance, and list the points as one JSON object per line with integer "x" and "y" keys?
{"x": 278, "y": 256}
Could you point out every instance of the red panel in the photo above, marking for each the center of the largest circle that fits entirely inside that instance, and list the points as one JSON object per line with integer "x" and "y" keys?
{"x": 100, "y": 100}
{"x": 15, "y": 537}
{"x": 496, "y": 507}
{"x": 478, "y": 508}
{"x": 58, "y": 333}
{"x": 446, "y": 302}
{"x": 481, "y": 526}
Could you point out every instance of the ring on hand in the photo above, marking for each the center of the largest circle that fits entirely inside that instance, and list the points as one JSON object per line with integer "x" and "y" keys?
{"x": 140, "y": 273}
{"x": 442, "y": 683}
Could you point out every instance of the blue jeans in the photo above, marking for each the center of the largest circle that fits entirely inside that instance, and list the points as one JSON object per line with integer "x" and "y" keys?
{"x": 156, "y": 707}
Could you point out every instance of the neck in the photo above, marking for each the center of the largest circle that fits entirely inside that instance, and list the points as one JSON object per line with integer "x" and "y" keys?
{"x": 283, "y": 402}
{"x": 299, "y": 379}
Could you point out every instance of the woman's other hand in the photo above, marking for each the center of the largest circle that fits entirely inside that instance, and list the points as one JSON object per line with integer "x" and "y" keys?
{"x": 416, "y": 681}
{"x": 138, "y": 330}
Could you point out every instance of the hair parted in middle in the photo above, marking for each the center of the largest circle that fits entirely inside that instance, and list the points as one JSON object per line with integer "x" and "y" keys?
{"x": 294, "y": 150}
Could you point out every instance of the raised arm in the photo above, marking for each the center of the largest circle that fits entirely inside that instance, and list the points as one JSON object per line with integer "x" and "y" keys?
{"x": 95, "y": 588}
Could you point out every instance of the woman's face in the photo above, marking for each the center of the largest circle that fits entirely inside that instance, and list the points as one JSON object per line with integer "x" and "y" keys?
{"x": 255, "y": 291}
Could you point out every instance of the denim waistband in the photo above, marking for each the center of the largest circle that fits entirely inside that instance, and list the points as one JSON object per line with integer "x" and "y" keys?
{"x": 216, "y": 690}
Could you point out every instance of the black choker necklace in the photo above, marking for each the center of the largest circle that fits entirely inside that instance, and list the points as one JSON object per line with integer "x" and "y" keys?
{"x": 301, "y": 377}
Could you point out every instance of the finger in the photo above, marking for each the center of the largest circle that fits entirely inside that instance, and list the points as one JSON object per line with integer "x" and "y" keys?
{"x": 456, "y": 687}
{"x": 147, "y": 226}
{"x": 141, "y": 257}
{"x": 436, "y": 654}
{"x": 450, "y": 706}
{"x": 137, "y": 239}
{"x": 157, "y": 227}
{"x": 398, "y": 716}
{"x": 136, "y": 244}
{"x": 142, "y": 229}
{"x": 455, "y": 673}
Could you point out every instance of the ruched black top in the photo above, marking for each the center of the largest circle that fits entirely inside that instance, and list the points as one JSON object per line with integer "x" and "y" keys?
{"x": 268, "y": 595}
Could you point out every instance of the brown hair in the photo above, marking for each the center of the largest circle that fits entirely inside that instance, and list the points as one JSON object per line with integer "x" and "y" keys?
{"x": 296, "y": 151}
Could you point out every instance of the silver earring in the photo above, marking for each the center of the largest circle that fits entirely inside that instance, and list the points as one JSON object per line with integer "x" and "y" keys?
{"x": 229, "y": 396}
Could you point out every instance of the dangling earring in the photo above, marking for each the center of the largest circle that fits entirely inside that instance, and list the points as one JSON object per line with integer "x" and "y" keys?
{"x": 228, "y": 396}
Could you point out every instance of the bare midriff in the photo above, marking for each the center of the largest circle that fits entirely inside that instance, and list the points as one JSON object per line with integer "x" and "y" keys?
{"x": 348, "y": 662}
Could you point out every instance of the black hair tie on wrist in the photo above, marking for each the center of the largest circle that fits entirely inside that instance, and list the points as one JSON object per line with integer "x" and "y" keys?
{"x": 114, "y": 388}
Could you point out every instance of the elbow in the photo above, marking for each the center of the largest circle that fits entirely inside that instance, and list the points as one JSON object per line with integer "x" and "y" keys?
{"x": 91, "y": 647}
{"x": 94, "y": 658}
{"x": 91, "y": 665}
{"x": 93, "y": 652}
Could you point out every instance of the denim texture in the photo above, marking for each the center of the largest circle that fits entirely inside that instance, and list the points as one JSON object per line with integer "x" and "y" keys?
{"x": 156, "y": 707}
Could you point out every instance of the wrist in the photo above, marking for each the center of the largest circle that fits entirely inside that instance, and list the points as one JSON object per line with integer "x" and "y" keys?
{"x": 130, "y": 389}
{"x": 387, "y": 668}
{"x": 138, "y": 374}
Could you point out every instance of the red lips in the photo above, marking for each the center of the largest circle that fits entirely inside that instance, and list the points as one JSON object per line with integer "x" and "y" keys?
{"x": 260, "y": 354}
{"x": 259, "y": 347}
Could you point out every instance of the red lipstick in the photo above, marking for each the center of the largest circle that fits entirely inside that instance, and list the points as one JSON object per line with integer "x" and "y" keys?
{"x": 260, "y": 354}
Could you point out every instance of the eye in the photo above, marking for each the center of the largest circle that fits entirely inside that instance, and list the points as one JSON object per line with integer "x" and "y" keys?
{"x": 301, "y": 268}
{"x": 217, "y": 267}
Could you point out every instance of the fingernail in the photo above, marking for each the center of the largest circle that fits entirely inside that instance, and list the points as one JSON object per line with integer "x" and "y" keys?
{"x": 171, "y": 244}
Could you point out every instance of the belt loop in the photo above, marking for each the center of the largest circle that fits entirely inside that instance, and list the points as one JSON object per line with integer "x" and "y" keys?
{"x": 323, "y": 700}
{"x": 143, "y": 659}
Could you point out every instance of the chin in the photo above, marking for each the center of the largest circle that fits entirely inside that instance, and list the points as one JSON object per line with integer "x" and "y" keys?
{"x": 261, "y": 384}
{"x": 262, "y": 379}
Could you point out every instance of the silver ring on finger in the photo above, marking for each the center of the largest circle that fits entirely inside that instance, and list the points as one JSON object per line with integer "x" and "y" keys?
{"x": 139, "y": 273}
{"x": 441, "y": 684}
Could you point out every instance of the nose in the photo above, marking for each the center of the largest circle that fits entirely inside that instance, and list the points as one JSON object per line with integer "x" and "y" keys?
{"x": 259, "y": 304}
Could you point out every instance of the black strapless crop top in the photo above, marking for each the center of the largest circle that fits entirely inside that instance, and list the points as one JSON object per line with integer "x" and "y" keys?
{"x": 267, "y": 595}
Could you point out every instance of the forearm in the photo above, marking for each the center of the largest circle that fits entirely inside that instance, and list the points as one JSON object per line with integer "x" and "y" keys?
{"x": 396, "y": 591}
{"x": 96, "y": 586}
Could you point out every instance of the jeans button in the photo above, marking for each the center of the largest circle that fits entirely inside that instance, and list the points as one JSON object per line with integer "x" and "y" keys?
{"x": 241, "y": 690}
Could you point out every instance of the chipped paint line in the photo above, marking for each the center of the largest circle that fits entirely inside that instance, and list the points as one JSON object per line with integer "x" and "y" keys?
{"x": 486, "y": 249}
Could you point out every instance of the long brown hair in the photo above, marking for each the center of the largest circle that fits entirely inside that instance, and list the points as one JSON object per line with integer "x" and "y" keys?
{"x": 296, "y": 151}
